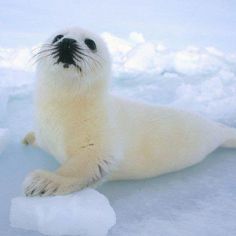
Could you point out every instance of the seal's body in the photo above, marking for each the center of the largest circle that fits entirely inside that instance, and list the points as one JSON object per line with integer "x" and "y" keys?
{"x": 97, "y": 136}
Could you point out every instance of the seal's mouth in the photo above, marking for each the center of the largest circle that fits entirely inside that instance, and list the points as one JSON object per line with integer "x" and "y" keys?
{"x": 66, "y": 65}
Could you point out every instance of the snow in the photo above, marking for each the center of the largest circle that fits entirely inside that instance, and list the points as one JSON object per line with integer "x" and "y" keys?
{"x": 4, "y": 133}
{"x": 15, "y": 58}
{"x": 87, "y": 213}
{"x": 3, "y": 139}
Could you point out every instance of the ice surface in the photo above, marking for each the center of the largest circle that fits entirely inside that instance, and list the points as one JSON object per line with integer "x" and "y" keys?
{"x": 86, "y": 213}
{"x": 4, "y": 136}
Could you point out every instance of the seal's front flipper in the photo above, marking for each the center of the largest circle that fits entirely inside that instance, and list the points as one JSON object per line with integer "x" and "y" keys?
{"x": 29, "y": 139}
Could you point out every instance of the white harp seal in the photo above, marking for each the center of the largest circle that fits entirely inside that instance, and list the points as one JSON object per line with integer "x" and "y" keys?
{"x": 97, "y": 136}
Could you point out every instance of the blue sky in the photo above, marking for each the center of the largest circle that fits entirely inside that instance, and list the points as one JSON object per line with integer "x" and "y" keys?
{"x": 175, "y": 23}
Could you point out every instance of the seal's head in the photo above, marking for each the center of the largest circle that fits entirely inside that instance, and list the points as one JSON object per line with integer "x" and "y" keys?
{"x": 73, "y": 58}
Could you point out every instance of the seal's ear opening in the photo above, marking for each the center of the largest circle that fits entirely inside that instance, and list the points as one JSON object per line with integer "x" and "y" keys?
{"x": 91, "y": 44}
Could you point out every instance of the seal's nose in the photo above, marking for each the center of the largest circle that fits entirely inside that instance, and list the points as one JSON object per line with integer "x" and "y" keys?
{"x": 66, "y": 52}
{"x": 67, "y": 43}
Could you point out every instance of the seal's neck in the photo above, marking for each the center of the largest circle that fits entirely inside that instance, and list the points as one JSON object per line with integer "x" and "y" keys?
{"x": 70, "y": 90}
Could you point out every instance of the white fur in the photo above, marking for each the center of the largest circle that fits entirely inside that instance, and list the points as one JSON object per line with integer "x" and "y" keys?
{"x": 97, "y": 136}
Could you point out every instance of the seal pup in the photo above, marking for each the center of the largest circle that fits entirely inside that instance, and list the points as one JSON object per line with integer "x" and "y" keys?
{"x": 97, "y": 136}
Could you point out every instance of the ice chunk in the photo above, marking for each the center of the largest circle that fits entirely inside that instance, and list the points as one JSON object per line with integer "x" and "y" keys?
{"x": 3, "y": 139}
{"x": 86, "y": 213}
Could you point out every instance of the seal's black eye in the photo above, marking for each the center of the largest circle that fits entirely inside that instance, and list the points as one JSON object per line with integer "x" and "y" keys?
{"x": 58, "y": 37}
{"x": 91, "y": 44}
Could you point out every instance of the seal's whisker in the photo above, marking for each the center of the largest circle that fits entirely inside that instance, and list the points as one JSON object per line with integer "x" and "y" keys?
{"x": 92, "y": 58}
{"x": 42, "y": 48}
{"x": 35, "y": 57}
{"x": 43, "y": 51}
{"x": 55, "y": 53}
{"x": 96, "y": 55}
{"x": 39, "y": 59}
{"x": 78, "y": 56}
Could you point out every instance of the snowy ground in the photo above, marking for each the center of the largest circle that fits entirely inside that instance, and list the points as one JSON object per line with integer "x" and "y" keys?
{"x": 175, "y": 53}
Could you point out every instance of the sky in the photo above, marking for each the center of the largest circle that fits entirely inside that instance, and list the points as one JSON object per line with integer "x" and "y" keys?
{"x": 175, "y": 23}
